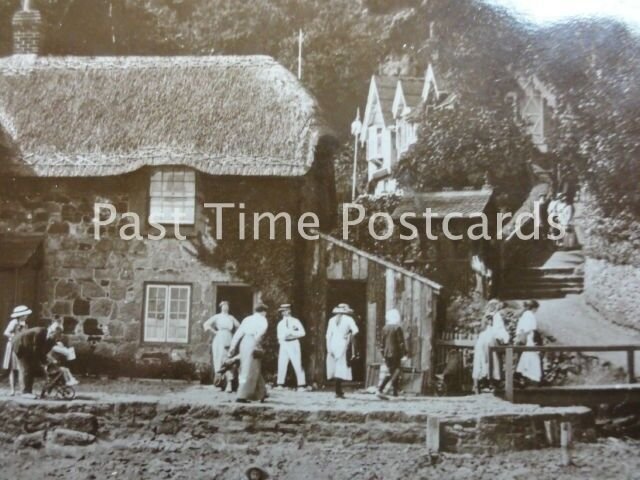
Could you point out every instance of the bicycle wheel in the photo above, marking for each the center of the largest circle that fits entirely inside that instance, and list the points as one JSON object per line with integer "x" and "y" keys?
{"x": 66, "y": 393}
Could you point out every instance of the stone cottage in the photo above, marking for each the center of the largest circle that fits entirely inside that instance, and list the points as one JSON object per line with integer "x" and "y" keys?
{"x": 159, "y": 138}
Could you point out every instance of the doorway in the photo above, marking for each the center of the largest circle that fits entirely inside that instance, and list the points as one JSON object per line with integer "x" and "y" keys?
{"x": 240, "y": 298}
{"x": 353, "y": 293}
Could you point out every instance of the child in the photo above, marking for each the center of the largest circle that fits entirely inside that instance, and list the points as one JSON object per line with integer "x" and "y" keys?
{"x": 60, "y": 354}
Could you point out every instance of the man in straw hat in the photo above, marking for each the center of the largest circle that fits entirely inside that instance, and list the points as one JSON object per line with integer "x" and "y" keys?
{"x": 16, "y": 325}
{"x": 290, "y": 331}
{"x": 31, "y": 347}
{"x": 342, "y": 328}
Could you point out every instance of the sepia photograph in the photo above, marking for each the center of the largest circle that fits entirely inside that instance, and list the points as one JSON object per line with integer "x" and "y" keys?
{"x": 320, "y": 239}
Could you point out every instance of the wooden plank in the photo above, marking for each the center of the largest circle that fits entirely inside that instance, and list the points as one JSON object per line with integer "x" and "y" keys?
{"x": 372, "y": 318}
{"x": 569, "y": 348}
{"x": 380, "y": 261}
{"x": 631, "y": 366}
{"x": 390, "y": 288}
{"x": 345, "y": 261}
{"x": 508, "y": 374}
{"x": 363, "y": 269}
{"x": 416, "y": 295}
{"x": 355, "y": 266}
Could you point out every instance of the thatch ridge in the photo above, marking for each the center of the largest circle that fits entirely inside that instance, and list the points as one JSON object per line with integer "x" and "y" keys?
{"x": 223, "y": 115}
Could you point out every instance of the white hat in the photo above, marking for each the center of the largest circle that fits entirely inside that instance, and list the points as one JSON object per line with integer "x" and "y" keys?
{"x": 342, "y": 308}
{"x": 284, "y": 306}
{"x": 21, "y": 311}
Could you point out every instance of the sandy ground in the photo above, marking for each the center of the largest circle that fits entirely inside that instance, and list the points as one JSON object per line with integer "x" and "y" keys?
{"x": 95, "y": 390}
{"x": 607, "y": 459}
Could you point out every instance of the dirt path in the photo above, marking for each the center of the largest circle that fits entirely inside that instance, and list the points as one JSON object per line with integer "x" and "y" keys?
{"x": 609, "y": 459}
{"x": 573, "y": 322}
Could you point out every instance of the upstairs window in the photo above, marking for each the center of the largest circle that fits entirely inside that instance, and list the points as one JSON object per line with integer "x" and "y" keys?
{"x": 172, "y": 196}
{"x": 374, "y": 143}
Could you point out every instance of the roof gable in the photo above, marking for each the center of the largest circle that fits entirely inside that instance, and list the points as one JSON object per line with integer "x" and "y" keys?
{"x": 223, "y": 115}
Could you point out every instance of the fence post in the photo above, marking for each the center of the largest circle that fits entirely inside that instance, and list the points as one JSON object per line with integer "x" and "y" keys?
{"x": 631, "y": 366}
{"x": 433, "y": 434}
{"x": 491, "y": 363}
{"x": 565, "y": 443}
{"x": 508, "y": 374}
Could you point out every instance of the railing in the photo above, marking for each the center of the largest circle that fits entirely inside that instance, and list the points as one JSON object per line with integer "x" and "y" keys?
{"x": 509, "y": 351}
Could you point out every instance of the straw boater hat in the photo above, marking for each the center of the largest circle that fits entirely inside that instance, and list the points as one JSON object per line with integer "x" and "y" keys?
{"x": 284, "y": 306}
{"x": 21, "y": 311}
{"x": 263, "y": 475}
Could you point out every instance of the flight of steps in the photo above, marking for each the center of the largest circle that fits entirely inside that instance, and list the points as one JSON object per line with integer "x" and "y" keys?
{"x": 560, "y": 276}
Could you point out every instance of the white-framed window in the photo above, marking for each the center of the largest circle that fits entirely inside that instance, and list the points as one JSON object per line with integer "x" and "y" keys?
{"x": 166, "y": 313}
{"x": 374, "y": 143}
{"x": 172, "y": 196}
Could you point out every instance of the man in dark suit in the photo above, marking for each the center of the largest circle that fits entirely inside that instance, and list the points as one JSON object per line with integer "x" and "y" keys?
{"x": 31, "y": 347}
{"x": 393, "y": 350}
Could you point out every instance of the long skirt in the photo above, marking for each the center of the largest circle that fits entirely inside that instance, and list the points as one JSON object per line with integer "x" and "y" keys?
{"x": 251, "y": 385}
{"x": 219, "y": 348}
{"x": 9, "y": 362}
{"x": 530, "y": 366}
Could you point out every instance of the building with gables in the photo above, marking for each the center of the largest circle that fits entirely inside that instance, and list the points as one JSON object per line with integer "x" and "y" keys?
{"x": 390, "y": 121}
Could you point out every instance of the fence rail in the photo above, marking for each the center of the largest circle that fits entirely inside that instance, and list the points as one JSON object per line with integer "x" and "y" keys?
{"x": 510, "y": 350}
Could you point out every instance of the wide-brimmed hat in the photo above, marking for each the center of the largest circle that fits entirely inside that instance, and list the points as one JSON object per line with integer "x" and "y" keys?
{"x": 263, "y": 474}
{"x": 342, "y": 308}
{"x": 284, "y": 306}
{"x": 21, "y": 311}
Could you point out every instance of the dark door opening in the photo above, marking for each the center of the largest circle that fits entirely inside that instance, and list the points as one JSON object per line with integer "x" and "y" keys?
{"x": 240, "y": 298}
{"x": 355, "y": 294}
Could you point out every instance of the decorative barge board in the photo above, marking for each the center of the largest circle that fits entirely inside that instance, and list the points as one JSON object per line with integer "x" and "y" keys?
{"x": 337, "y": 264}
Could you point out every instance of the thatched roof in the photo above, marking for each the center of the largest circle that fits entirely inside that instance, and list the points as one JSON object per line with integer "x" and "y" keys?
{"x": 222, "y": 115}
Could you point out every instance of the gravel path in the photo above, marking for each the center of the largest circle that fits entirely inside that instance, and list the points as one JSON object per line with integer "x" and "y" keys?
{"x": 573, "y": 322}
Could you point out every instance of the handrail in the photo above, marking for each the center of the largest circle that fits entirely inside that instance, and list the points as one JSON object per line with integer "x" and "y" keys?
{"x": 511, "y": 349}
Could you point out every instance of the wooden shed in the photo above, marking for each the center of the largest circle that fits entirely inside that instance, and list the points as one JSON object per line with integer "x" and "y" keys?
{"x": 340, "y": 272}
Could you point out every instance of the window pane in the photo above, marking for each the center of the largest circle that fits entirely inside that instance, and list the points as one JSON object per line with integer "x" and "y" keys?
{"x": 173, "y": 197}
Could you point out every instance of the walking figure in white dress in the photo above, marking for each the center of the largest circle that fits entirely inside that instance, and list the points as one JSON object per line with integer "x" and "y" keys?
{"x": 290, "y": 331}
{"x": 340, "y": 331}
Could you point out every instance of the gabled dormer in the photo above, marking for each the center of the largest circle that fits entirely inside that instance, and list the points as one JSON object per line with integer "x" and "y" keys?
{"x": 536, "y": 103}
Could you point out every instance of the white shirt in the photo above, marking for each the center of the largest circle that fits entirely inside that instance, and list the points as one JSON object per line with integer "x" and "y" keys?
{"x": 255, "y": 325}
{"x": 290, "y": 326}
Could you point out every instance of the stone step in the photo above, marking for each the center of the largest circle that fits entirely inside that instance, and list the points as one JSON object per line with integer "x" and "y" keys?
{"x": 548, "y": 281}
{"x": 540, "y": 293}
{"x": 542, "y": 272}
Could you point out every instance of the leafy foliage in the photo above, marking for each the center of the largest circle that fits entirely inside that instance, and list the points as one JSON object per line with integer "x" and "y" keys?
{"x": 462, "y": 146}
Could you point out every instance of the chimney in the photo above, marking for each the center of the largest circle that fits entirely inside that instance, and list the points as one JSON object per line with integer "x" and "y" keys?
{"x": 27, "y": 25}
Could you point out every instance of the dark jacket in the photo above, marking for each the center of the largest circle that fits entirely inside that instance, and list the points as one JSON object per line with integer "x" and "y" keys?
{"x": 33, "y": 344}
{"x": 393, "y": 342}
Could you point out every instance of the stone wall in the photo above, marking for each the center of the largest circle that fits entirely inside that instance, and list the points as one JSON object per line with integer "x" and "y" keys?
{"x": 96, "y": 287}
{"x": 614, "y": 290}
